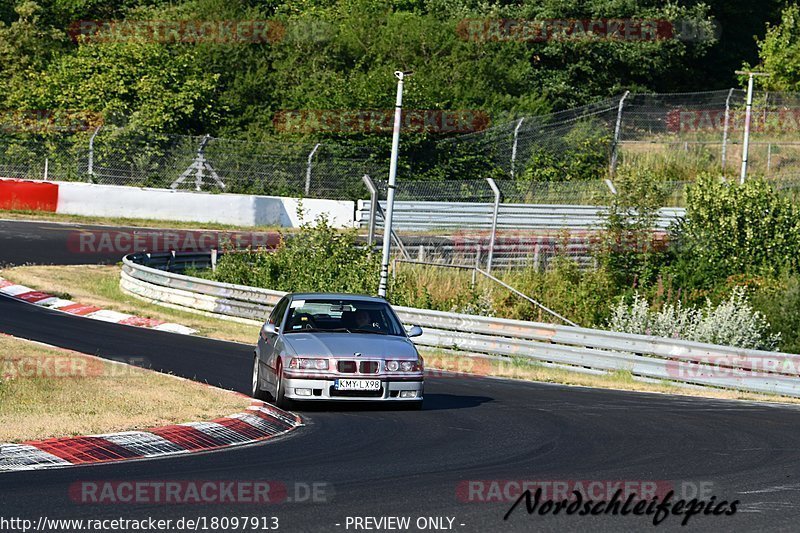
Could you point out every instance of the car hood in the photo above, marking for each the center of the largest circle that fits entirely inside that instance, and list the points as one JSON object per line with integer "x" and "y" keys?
{"x": 347, "y": 344}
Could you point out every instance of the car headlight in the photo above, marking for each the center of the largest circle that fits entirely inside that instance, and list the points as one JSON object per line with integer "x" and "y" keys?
{"x": 304, "y": 363}
{"x": 404, "y": 366}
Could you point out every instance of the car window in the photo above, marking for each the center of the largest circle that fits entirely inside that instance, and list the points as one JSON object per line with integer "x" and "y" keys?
{"x": 278, "y": 311}
{"x": 355, "y": 316}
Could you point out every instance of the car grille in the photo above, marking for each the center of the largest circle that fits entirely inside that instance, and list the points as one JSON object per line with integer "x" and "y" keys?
{"x": 347, "y": 367}
{"x": 362, "y": 367}
{"x": 368, "y": 367}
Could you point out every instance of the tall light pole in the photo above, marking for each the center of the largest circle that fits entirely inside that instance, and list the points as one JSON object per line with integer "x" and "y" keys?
{"x": 747, "y": 115}
{"x": 387, "y": 222}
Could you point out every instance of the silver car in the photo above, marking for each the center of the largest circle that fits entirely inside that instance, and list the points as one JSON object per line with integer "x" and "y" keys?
{"x": 323, "y": 347}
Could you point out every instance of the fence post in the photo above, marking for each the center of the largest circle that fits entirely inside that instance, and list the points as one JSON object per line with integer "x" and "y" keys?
{"x": 514, "y": 148}
{"x": 46, "y": 169}
{"x": 308, "y": 168}
{"x": 496, "y": 192}
{"x": 375, "y": 210}
{"x": 91, "y": 152}
{"x": 373, "y": 207}
{"x": 725, "y": 129}
{"x": 769, "y": 157}
{"x": 747, "y": 117}
{"x": 617, "y": 131}
{"x": 477, "y": 263}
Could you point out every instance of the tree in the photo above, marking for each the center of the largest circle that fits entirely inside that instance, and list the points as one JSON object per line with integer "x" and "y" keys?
{"x": 779, "y": 52}
{"x": 144, "y": 85}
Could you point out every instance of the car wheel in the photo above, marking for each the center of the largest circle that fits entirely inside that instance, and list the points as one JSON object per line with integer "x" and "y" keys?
{"x": 280, "y": 389}
{"x": 258, "y": 392}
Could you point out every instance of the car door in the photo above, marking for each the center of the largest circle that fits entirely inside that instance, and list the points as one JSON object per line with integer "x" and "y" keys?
{"x": 268, "y": 345}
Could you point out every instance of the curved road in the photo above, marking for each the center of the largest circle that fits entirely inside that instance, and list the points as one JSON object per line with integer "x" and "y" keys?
{"x": 378, "y": 462}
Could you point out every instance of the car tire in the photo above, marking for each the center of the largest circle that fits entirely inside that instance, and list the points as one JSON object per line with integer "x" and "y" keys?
{"x": 258, "y": 393}
{"x": 280, "y": 389}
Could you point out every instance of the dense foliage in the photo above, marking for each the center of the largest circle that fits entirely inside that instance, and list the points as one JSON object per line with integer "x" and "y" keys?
{"x": 779, "y": 53}
{"x": 317, "y": 259}
{"x": 341, "y": 55}
{"x": 736, "y": 229}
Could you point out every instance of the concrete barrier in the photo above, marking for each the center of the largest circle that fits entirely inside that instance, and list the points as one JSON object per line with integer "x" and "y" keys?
{"x": 89, "y": 199}
{"x": 24, "y": 194}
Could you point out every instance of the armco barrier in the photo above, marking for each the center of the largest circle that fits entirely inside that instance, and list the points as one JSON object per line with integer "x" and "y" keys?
{"x": 427, "y": 216}
{"x": 145, "y": 275}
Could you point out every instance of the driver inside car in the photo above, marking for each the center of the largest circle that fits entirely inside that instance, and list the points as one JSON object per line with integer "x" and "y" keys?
{"x": 363, "y": 320}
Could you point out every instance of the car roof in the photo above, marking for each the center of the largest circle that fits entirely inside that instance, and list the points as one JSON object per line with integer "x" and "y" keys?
{"x": 335, "y": 296}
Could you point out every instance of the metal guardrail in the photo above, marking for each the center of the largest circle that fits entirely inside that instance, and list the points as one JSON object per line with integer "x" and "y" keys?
{"x": 427, "y": 216}
{"x": 145, "y": 275}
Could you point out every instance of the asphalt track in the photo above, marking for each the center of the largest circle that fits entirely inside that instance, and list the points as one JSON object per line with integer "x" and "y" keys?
{"x": 382, "y": 462}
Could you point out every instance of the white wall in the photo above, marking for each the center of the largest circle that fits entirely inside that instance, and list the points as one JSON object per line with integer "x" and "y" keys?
{"x": 237, "y": 209}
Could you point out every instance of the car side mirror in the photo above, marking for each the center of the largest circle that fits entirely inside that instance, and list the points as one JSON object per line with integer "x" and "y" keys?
{"x": 415, "y": 331}
{"x": 269, "y": 329}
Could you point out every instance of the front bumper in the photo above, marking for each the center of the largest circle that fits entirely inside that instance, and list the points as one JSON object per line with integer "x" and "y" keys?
{"x": 322, "y": 389}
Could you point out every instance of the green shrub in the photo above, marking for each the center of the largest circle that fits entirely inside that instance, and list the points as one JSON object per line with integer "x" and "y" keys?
{"x": 779, "y": 300}
{"x": 582, "y": 153}
{"x": 318, "y": 258}
{"x": 582, "y": 296}
{"x": 629, "y": 247}
{"x": 734, "y": 229}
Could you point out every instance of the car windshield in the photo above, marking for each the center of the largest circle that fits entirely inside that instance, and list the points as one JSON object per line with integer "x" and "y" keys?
{"x": 342, "y": 316}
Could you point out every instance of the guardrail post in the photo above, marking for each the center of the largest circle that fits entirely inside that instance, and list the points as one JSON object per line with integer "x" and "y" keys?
{"x": 308, "y": 168}
{"x": 617, "y": 131}
{"x": 373, "y": 207}
{"x": 213, "y": 260}
{"x": 496, "y": 192}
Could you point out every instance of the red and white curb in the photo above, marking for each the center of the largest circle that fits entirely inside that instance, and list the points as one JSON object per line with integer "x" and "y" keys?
{"x": 258, "y": 423}
{"x": 21, "y": 292}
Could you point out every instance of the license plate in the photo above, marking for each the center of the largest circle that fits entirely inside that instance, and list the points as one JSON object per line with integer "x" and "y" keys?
{"x": 358, "y": 384}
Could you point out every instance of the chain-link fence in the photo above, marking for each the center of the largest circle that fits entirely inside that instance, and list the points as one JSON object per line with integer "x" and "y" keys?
{"x": 676, "y": 135}
{"x": 550, "y": 175}
{"x": 686, "y": 133}
{"x": 120, "y": 157}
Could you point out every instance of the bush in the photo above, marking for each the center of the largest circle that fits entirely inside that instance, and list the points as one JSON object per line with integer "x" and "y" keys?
{"x": 735, "y": 229}
{"x": 318, "y": 258}
{"x": 733, "y": 322}
{"x": 582, "y": 296}
{"x": 779, "y": 300}
{"x": 580, "y": 154}
{"x": 629, "y": 246}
